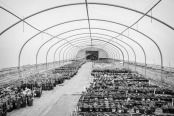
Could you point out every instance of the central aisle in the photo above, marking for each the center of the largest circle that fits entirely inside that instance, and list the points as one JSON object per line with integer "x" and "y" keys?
{"x": 62, "y": 100}
{"x": 71, "y": 92}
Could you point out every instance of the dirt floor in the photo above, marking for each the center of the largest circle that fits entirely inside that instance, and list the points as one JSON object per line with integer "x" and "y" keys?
{"x": 62, "y": 100}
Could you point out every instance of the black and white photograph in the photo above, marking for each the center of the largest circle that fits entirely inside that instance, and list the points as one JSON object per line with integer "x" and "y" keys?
{"x": 86, "y": 58}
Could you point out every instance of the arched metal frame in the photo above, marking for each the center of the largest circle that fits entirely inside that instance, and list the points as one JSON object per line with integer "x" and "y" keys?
{"x": 59, "y": 52}
{"x": 75, "y": 48}
{"x": 71, "y": 51}
{"x": 61, "y": 46}
{"x": 114, "y": 53}
{"x": 71, "y": 48}
{"x": 80, "y": 41}
{"x": 48, "y": 52}
{"x": 74, "y": 30}
{"x": 104, "y": 35}
{"x": 112, "y": 37}
{"x": 90, "y": 19}
{"x": 100, "y": 29}
{"x": 76, "y": 20}
{"x": 112, "y": 41}
{"x": 60, "y": 41}
{"x": 61, "y": 6}
{"x": 92, "y": 28}
{"x": 92, "y": 36}
{"x": 109, "y": 36}
{"x": 81, "y": 49}
{"x": 110, "y": 49}
{"x": 58, "y": 47}
{"x": 115, "y": 56}
{"x": 103, "y": 41}
{"x": 95, "y": 4}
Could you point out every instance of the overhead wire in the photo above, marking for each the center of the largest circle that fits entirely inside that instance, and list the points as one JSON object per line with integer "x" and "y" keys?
{"x": 23, "y": 21}
{"x": 11, "y": 9}
{"x": 137, "y": 20}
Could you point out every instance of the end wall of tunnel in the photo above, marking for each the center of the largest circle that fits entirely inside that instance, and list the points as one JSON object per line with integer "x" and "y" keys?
{"x": 82, "y": 53}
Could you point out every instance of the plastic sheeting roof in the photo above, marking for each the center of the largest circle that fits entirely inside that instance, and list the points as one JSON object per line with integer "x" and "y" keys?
{"x": 66, "y": 23}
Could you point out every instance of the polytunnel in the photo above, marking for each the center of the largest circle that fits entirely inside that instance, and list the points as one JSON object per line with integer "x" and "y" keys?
{"x": 138, "y": 34}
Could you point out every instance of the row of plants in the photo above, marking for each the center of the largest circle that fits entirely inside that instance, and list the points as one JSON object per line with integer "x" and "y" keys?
{"x": 22, "y": 93}
{"x": 121, "y": 92}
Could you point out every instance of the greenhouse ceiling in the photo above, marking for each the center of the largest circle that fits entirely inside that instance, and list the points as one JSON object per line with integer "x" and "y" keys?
{"x": 36, "y": 31}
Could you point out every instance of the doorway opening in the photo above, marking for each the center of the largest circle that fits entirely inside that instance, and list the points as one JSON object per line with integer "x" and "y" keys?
{"x": 91, "y": 55}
